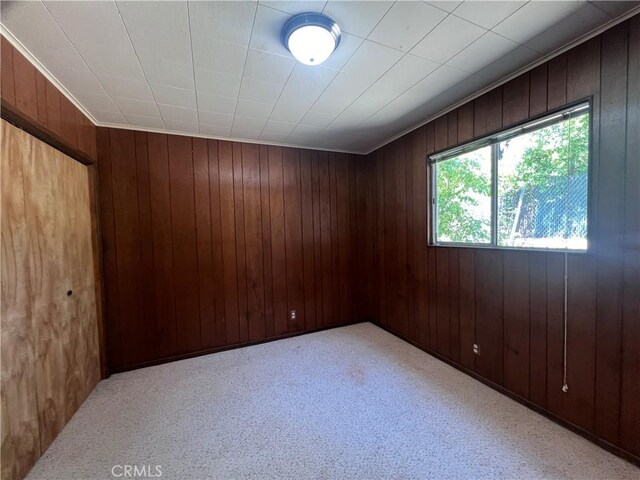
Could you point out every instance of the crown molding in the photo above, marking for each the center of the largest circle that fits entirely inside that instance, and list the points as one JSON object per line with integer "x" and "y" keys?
{"x": 42, "y": 69}
{"x": 228, "y": 139}
{"x": 13, "y": 40}
{"x": 559, "y": 51}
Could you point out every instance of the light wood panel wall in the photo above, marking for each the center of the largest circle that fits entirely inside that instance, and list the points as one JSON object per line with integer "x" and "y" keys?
{"x": 510, "y": 302}
{"x": 50, "y": 354}
{"x": 20, "y": 430}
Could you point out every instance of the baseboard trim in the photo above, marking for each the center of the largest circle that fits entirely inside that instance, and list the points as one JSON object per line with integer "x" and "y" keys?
{"x": 223, "y": 348}
{"x": 616, "y": 450}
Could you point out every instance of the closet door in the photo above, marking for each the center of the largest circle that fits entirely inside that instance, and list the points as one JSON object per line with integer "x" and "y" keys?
{"x": 56, "y": 190}
{"x": 20, "y": 430}
{"x": 54, "y": 289}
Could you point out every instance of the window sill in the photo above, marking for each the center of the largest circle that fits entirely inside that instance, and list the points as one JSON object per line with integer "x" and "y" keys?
{"x": 508, "y": 249}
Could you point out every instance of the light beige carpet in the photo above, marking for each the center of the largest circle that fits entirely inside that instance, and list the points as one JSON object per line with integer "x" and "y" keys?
{"x": 354, "y": 402}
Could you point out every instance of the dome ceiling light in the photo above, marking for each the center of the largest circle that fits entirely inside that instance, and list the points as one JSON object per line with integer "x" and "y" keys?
{"x": 311, "y": 37}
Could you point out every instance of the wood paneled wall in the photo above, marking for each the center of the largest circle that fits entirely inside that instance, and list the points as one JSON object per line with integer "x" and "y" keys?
{"x": 50, "y": 354}
{"x": 510, "y": 302}
{"x": 23, "y": 87}
{"x": 36, "y": 106}
{"x": 209, "y": 244}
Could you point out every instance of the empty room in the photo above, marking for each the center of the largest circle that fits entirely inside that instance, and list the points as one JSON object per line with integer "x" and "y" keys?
{"x": 328, "y": 239}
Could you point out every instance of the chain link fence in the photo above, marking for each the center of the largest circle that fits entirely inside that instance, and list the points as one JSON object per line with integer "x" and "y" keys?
{"x": 548, "y": 214}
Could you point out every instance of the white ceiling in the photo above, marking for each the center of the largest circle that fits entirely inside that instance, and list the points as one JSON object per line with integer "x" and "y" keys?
{"x": 218, "y": 69}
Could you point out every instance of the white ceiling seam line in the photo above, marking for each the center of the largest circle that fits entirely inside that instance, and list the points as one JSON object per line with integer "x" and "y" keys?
{"x": 445, "y": 63}
{"x": 83, "y": 59}
{"x": 428, "y": 75}
{"x": 387, "y": 71}
{"x": 135, "y": 52}
{"x": 193, "y": 67}
{"x": 244, "y": 66}
{"x": 13, "y": 40}
{"x": 501, "y": 21}
{"x": 545, "y": 58}
{"x": 276, "y": 103}
{"x": 340, "y": 70}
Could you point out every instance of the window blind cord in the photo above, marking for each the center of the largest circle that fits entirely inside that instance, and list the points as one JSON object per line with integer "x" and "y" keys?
{"x": 565, "y": 385}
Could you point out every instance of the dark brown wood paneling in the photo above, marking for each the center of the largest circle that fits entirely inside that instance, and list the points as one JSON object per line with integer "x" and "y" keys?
{"x": 160, "y": 195}
{"x": 608, "y": 238}
{"x": 516, "y": 322}
{"x": 419, "y": 191}
{"x": 210, "y": 244}
{"x": 467, "y": 307}
{"x": 512, "y": 303}
{"x": 538, "y": 90}
{"x": 42, "y": 108}
{"x": 220, "y": 329}
{"x": 555, "y": 318}
{"x": 184, "y": 241}
{"x": 400, "y": 209}
{"x": 442, "y": 301}
{"x": 300, "y": 253}
{"x": 515, "y": 100}
{"x": 253, "y": 242}
{"x": 538, "y": 329}
{"x": 581, "y": 326}
{"x": 127, "y": 241}
{"x": 335, "y": 252}
{"x": 409, "y": 263}
{"x": 241, "y": 258}
{"x": 465, "y": 122}
{"x": 630, "y": 389}
{"x": 326, "y": 239}
{"x": 390, "y": 239}
{"x": 7, "y": 87}
{"x": 147, "y": 299}
{"x": 204, "y": 243}
{"x": 317, "y": 240}
{"x": 343, "y": 240}
{"x": 54, "y": 113}
{"x": 487, "y": 113}
{"x": 489, "y": 314}
{"x": 293, "y": 239}
{"x": 557, "y": 82}
{"x": 25, "y": 87}
{"x": 431, "y": 256}
{"x": 41, "y": 94}
{"x": 229, "y": 252}
{"x": 308, "y": 236}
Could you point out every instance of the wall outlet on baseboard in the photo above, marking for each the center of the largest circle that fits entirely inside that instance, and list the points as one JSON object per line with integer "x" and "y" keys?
{"x": 476, "y": 349}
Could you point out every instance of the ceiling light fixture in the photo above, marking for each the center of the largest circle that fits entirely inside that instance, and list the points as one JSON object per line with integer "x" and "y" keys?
{"x": 311, "y": 37}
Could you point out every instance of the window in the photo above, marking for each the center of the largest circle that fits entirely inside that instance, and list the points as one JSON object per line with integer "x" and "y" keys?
{"x": 526, "y": 187}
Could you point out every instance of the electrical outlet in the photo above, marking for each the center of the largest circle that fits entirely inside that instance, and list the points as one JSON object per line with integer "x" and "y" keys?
{"x": 476, "y": 349}
{"x": 292, "y": 314}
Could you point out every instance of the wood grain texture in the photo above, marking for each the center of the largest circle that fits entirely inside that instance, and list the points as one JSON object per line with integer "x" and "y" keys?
{"x": 630, "y": 388}
{"x": 20, "y": 430}
{"x": 211, "y": 244}
{"x": 511, "y": 303}
{"x": 39, "y": 102}
{"x": 55, "y": 355}
{"x": 67, "y": 355}
{"x": 608, "y": 237}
